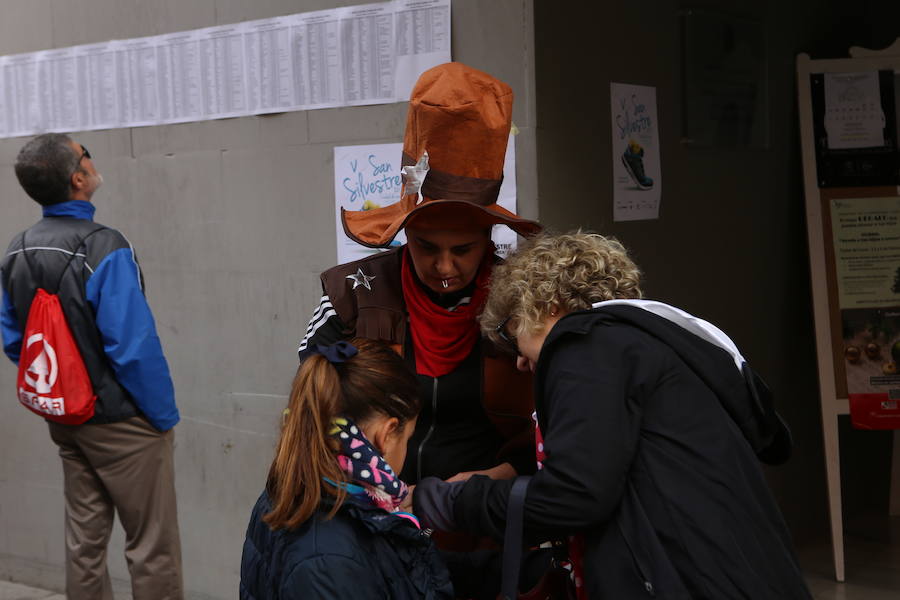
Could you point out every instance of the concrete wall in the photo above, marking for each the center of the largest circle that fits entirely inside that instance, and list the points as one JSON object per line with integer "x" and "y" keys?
{"x": 730, "y": 241}
{"x": 233, "y": 220}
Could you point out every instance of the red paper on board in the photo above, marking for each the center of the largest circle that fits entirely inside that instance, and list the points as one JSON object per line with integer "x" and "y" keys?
{"x": 874, "y": 411}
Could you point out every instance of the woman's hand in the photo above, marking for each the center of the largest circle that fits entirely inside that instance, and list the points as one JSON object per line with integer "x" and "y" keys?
{"x": 434, "y": 503}
{"x": 501, "y": 471}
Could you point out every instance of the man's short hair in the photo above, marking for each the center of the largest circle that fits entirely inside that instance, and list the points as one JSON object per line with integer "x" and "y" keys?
{"x": 44, "y": 167}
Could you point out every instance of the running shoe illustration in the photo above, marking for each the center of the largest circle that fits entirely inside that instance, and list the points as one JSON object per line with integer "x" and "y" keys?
{"x": 633, "y": 159}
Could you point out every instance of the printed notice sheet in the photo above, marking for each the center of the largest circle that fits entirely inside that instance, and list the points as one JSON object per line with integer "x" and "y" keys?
{"x": 637, "y": 180}
{"x": 349, "y": 56}
{"x": 866, "y": 236}
{"x": 853, "y": 114}
{"x": 367, "y": 177}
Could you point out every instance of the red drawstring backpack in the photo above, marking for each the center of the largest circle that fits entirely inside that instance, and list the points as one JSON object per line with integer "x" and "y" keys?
{"x": 53, "y": 381}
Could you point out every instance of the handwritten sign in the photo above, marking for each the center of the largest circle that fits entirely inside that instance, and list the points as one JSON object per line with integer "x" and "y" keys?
{"x": 368, "y": 177}
{"x": 369, "y": 184}
{"x": 637, "y": 179}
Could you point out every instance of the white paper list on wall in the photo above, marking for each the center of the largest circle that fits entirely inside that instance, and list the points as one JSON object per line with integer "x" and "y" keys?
{"x": 349, "y": 56}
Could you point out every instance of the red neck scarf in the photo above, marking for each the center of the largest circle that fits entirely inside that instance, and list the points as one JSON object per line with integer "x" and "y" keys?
{"x": 441, "y": 338}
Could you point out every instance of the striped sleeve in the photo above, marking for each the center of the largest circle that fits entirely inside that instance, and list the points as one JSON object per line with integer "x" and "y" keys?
{"x": 325, "y": 327}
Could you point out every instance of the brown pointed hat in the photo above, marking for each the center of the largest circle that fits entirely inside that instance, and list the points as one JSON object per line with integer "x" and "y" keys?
{"x": 458, "y": 123}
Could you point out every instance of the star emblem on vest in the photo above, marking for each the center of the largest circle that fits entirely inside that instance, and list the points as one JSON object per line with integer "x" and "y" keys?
{"x": 361, "y": 279}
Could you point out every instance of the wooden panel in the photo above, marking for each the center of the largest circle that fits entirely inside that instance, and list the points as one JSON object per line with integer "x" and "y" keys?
{"x": 894, "y": 509}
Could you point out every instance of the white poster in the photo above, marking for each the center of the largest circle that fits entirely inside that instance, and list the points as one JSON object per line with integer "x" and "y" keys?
{"x": 180, "y": 79}
{"x": 367, "y": 177}
{"x": 316, "y": 47}
{"x": 23, "y": 106}
{"x": 422, "y": 38}
{"x": 853, "y": 115}
{"x": 268, "y": 64}
{"x": 368, "y": 63}
{"x": 348, "y": 56}
{"x": 637, "y": 178}
{"x": 95, "y": 68}
{"x": 222, "y": 71}
{"x": 137, "y": 77}
{"x": 56, "y": 70}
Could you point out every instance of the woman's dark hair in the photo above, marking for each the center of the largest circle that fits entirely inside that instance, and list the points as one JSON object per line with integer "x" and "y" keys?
{"x": 44, "y": 168}
{"x": 375, "y": 381}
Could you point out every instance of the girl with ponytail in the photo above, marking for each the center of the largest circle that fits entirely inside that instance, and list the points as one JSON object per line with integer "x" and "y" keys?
{"x": 328, "y": 524}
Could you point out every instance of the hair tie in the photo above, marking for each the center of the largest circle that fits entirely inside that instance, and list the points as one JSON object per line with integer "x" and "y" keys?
{"x": 339, "y": 352}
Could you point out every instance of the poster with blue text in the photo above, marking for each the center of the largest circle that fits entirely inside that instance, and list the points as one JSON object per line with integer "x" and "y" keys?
{"x": 367, "y": 177}
{"x": 637, "y": 177}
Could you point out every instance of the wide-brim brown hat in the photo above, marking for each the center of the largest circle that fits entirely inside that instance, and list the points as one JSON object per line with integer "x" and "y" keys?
{"x": 460, "y": 117}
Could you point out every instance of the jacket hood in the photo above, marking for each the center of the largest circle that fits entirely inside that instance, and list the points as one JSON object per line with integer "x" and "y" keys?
{"x": 708, "y": 352}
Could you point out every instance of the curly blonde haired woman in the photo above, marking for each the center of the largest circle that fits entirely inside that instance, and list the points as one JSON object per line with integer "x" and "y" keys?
{"x": 653, "y": 428}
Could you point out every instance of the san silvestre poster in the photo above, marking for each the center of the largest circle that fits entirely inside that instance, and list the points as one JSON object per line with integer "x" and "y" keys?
{"x": 368, "y": 176}
{"x": 636, "y": 173}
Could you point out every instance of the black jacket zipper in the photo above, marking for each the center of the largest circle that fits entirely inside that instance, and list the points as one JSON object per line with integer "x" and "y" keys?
{"x": 430, "y": 430}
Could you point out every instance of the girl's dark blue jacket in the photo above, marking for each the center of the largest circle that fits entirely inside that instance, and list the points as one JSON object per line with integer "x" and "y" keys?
{"x": 361, "y": 553}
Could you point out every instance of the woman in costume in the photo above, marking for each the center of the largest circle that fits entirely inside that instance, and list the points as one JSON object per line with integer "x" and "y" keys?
{"x": 423, "y": 297}
{"x": 328, "y": 524}
{"x": 652, "y": 425}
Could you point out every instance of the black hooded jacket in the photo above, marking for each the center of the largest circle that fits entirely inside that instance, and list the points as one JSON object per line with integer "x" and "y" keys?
{"x": 653, "y": 438}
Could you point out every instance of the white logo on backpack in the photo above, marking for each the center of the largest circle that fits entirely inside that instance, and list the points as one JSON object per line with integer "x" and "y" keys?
{"x": 46, "y": 377}
{"x": 40, "y": 377}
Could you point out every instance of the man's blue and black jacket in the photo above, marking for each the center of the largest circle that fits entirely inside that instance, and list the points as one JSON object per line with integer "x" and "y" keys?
{"x": 102, "y": 296}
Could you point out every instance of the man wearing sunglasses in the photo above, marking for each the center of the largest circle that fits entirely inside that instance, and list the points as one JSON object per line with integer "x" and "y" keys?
{"x": 121, "y": 459}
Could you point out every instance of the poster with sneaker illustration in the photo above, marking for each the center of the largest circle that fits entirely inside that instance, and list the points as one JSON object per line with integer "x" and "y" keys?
{"x": 637, "y": 178}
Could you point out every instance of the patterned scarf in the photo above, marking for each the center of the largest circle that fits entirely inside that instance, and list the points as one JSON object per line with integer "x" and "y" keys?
{"x": 366, "y": 468}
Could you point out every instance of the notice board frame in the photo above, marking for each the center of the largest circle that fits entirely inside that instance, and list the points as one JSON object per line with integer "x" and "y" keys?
{"x": 829, "y": 352}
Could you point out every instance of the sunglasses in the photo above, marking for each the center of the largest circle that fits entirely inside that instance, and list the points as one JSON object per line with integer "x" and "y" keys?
{"x": 84, "y": 153}
{"x": 511, "y": 342}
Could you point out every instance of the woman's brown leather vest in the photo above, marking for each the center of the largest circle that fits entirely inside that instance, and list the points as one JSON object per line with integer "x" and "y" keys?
{"x": 368, "y": 298}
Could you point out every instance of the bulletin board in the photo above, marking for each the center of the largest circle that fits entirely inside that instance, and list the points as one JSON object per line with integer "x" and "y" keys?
{"x": 851, "y": 171}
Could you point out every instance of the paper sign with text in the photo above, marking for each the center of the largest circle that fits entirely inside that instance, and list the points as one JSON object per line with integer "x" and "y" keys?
{"x": 637, "y": 180}
{"x": 368, "y": 176}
